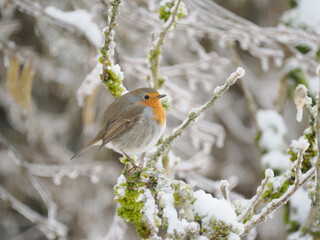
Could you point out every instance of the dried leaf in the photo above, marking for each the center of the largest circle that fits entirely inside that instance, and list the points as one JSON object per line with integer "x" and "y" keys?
{"x": 13, "y": 78}
{"x": 26, "y": 79}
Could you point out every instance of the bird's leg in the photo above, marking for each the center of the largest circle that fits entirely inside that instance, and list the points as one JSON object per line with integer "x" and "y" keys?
{"x": 134, "y": 166}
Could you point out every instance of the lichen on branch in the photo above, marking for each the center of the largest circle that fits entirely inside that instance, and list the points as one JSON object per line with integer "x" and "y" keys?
{"x": 111, "y": 73}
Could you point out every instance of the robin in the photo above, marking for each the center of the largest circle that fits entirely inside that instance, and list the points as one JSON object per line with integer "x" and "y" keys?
{"x": 133, "y": 123}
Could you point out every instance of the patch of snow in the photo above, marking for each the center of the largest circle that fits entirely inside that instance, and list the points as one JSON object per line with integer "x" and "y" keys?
{"x": 300, "y": 206}
{"x": 306, "y": 14}
{"x": 275, "y": 159}
{"x": 273, "y": 130}
{"x": 301, "y": 144}
{"x": 208, "y": 208}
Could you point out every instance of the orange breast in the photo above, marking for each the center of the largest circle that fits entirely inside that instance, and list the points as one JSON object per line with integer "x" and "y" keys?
{"x": 158, "y": 111}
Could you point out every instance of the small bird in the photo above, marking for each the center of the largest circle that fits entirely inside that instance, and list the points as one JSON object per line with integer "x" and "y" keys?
{"x": 133, "y": 123}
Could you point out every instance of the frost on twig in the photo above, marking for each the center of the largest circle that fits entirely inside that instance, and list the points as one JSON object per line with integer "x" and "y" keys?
{"x": 224, "y": 188}
{"x": 111, "y": 74}
{"x": 151, "y": 158}
{"x": 300, "y": 99}
{"x": 171, "y": 12}
{"x": 253, "y": 202}
{"x": 276, "y": 203}
{"x": 316, "y": 198}
{"x": 283, "y": 184}
{"x": 150, "y": 200}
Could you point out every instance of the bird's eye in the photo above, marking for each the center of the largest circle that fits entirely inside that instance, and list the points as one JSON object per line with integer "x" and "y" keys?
{"x": 146, "y": 97}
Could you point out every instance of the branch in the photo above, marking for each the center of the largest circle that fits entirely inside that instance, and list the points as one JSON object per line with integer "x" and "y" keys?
{"x": 36, "y": 11}
{"x": 51, "y": 229}
{"x": 157, "y": 42}
{"x": 224, "y": 188}
{"x": 260, "y": 190}
{"x": 193, "y": 116}
{"x": 317, "y": 163}
{"x": 111, "y": 75}
{"x": 276, "y": 203}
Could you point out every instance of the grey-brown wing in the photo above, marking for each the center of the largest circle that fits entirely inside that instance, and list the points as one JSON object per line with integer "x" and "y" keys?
{"x": 128, "y": 119}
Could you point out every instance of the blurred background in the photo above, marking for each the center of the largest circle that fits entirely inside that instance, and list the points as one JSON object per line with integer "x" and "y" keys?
{"x": 52, "y": 102}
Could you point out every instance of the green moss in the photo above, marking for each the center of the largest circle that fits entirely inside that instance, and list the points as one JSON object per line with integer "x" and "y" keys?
{"x": 165, "y": 11}
{"x": 272, "y": 193}
{"x": 177, "y": 199}
{"x": 182, "y": 193}
{"x": 309, "y": 154}
{"x": 304, "y": 49}
{"x": 315, "y": 234}
{"x": 221, "y": 230}
{"x": 318, "y": 54}
{"x": 257, "y": 137}
{"x": 298, "y": 77}
{"x": 161, "y": 81}
{"x": 153, "y": 54}
{"x": 130, "y": 209}
{"x": 166, "y": 104}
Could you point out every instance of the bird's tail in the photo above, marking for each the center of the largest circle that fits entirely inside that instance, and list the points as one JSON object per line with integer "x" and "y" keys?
{"x": 91, "y": 143}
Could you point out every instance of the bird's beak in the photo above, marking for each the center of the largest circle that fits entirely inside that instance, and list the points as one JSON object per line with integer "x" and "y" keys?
{"x": 161, "y": 96}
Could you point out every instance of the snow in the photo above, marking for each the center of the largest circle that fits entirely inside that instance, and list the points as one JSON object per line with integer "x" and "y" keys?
{"x": 277, "y": 182}
{"x": 318, "y": 70}
{"x": 299, "y": 236}
{"x": 240, "y": 72}
{"x": 81, "y": 19}
{"x": 300, "y": 145}
{"x": 236, "y": 75}
{"x": 269, "y": 173}
{"x": 208, "y": 208}
{"x": 273, "y": 130}
{"x": 300, "y": 206}
{"x": 306, "y": 14}
{"x": 175, "y": 225}
{"x": 121, "y": 190}
{"x": 313, "y": 83}
{"x": 291, "y": 64}
{"x": 203, "y": 238}
{"x": 276, "y": 159}
{"x": 116, "y": 70}
{"x": 149, "y": 209}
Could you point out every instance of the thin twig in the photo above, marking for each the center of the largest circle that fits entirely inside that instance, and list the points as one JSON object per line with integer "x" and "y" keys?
{"x": 158, "y": 39}
{"x": 276, "y": 203}
{"x": 317, "y": 163}
{"x": 224, "y": 188}
{"x": 247, "y": 94}
{"x": 193, "y": 116}
{"x": 51, "y": 229}
{"x": 256, "y": 198}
